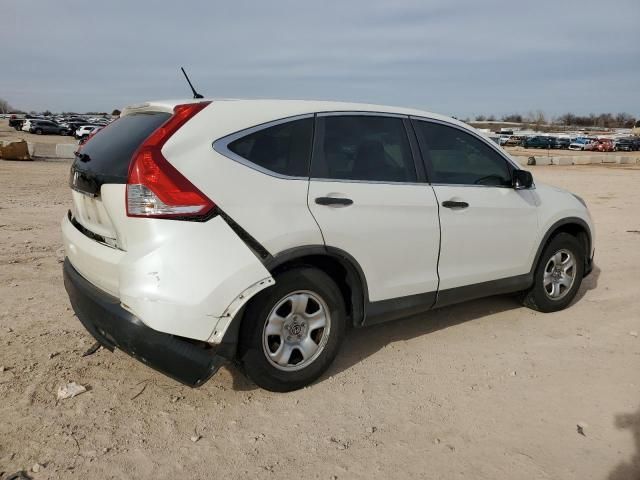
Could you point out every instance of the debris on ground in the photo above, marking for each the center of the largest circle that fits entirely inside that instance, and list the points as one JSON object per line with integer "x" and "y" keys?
{"x": 70, "y": 390}
{"x": 37, "y": 467}
{"x": 195, "y": 438}
{"x": 15, "y": 151}
{"x": 633, "y": 333}
{"x": 92, "y": 349}
{"x": 21, "y": 475}
{"x": 581, "y": 427}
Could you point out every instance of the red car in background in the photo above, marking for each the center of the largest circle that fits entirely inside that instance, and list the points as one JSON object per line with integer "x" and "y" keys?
{"x": 605, "y": 145}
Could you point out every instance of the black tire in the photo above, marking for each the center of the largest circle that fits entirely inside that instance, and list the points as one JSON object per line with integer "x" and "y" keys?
{"x": 537, "y": 297}
{"x": 251, "y": 350}
{"x": 38, "y": 131}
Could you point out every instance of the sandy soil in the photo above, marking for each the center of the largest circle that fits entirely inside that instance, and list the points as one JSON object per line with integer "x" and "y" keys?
{"x": 483, "y": 390}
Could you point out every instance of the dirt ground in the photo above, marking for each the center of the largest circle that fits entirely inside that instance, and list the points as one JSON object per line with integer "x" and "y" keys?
{"x": 483, "y": 390}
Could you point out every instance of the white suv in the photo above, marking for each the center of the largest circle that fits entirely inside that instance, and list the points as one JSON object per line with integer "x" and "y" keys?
{"x": 259, "y": 230}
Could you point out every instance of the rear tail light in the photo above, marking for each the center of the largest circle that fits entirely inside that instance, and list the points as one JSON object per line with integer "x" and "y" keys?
{"x": 155, "y": 189}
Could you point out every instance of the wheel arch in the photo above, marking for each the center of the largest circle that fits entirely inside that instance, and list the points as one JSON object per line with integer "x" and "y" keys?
{"x": 336, "y": 263}
{"x": 575, "y": 226}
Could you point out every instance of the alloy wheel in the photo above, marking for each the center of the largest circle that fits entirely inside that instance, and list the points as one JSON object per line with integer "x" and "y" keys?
{"x": 559, "y": 274}
{"x": 296, "y": 331}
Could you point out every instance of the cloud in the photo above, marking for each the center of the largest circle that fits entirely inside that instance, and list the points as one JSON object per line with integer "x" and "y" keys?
{"x": 453, "y": 57}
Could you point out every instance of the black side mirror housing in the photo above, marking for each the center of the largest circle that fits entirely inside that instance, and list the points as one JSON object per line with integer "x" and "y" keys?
{"x": 522, "y": 179}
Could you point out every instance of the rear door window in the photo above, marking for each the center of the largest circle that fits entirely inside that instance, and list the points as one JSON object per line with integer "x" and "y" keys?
{"x": 364, "y": 148}
{"x": 284, "y": 148}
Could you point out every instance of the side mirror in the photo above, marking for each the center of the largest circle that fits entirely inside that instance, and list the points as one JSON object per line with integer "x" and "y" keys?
{"x": 522, "y": 179}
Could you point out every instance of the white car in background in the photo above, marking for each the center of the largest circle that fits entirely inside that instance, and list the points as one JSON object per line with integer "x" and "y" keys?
{"x": 26, "y": 125}
{"x": 85, "y": 131}
{"x": 257, "y": 231}
{"x": 583, "y": 144}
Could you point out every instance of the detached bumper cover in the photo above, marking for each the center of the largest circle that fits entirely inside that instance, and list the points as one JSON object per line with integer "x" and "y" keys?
{"x": 114, "y": 327}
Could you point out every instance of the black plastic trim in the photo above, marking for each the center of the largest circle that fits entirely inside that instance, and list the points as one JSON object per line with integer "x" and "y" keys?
{"x": 259, "y": 250}
{"x": 188, "y": 361}
{"x": 85, "y": 231}
{"x": 397, "y": 308}
{"x": 501, "y": 286}
{"x": 416, "y": 152}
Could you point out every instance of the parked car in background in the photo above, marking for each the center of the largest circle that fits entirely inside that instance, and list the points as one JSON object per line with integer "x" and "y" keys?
{"x": 26, "y": 125}
{"x": 561, "y": 142}
{"x": 86, "y": 138}
{"x": 625, "y": 145}
{"x": 70, "y": 127}
{"x": 84, "y": 131}
{"x": 15, "y": 122}
{"x": 583, "y": 143}
{"x": 40, "y": 127}
{"x": 510, "y": 141}
{"x": 258, "y": 230}
{"x": 605, "y": 145}
{"x": 539, "y": 141}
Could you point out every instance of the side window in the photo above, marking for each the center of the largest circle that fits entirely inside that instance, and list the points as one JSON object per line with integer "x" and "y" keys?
{"x": 364, "y": 147}
{"x": 284, "y": 148}
{"x": 457, "y": 157}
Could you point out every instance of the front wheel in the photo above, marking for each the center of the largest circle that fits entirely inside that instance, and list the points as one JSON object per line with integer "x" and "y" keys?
{"x": 291, "y": 332}
{"x": 558, "y": 275}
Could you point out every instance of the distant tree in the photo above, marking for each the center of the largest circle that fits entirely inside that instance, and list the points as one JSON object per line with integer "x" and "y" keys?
{"x": 624, "y": 120}
{"x": 539, "y": 119}
{"x": 47, "y": 113}
{"x": 115, "y": 112}
{"x": 514, "y": 117}
{"x": 4, "y": 106}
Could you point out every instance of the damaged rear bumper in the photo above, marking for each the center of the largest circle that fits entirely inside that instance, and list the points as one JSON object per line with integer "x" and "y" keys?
{"x": 190, "y": 362}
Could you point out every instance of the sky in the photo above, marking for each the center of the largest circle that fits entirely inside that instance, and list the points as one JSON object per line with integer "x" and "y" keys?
{"x": 460, "y": 58}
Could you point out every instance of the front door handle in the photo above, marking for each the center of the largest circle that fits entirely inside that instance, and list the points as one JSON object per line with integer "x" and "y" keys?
{"x": 453, "y": 204}
{"x": 334, "y": 201}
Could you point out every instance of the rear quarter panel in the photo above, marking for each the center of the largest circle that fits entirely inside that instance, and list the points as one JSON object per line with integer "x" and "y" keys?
{"x": 272, "y": 210}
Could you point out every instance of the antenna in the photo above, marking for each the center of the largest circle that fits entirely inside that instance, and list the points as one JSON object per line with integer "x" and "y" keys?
{"x": 195, "y": 94}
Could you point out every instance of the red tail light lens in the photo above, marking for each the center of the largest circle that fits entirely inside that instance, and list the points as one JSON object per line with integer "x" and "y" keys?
{"x": 154, "y": 187}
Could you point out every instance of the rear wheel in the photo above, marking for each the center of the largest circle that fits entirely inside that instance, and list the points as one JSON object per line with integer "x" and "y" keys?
{"x": 38, "y": 131}
{"x": 292, "y": 331}
{"x": 558, "y": 275}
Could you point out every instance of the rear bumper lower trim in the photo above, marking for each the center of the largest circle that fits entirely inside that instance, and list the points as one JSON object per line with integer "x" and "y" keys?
{"x": 189, "y": 362}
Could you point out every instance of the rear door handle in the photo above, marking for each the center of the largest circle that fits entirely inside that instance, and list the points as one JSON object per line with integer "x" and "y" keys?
{"x": 452, "y": 204}
{"x": 334, "y": 201}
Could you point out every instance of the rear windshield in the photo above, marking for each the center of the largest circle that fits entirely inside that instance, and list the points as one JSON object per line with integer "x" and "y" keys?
{"x": 106, "y": 156}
